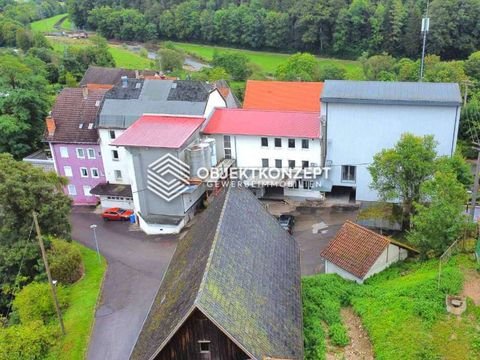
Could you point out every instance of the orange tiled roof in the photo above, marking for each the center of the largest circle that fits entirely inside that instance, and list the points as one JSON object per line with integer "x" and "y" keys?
{"x": 283, "y": 95}
{"x": 355, "y": 249}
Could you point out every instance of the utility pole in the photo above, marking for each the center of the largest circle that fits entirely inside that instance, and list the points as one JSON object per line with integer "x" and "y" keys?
{"x": 49, "y": 275}
{"x": 425, "y": 29}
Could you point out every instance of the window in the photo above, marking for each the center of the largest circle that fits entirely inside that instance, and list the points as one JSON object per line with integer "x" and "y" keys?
{"x": 348, "y": 173}
{"x": 115, "y": 156}
{"x": 67, "y": 170}
{"x": 204, "y": 347}
{"x": 64, "y": 152}
{"x": 83, "y": 172}
{"x": 297, "y": 184}
{"x": 278, "y": 142}
{"x": 305, "y": 164}
{"x": 90, "y": 126}
{"x": 291, "y": 164}
{"x": 72, "y": 190}
{"x": 118, "y": 175}
{"x": 227, "y": 146}
{"x": 94, "y": 172}
{"x": 278, "y": 163}
{"x": 291, "y": 143}
{"x": 86, "y": 190}
{"x": 265, "y": 163}
{"x": 264, "y": 142}
{"x": 112, "y": 134}
{"x": 307, "y": 184}
{"x": 80, "y": 153}
{"x": 305, "y": 144}
{"x": 91, "y": 153}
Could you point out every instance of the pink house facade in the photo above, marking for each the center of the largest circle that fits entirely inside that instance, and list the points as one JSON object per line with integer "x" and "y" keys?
{"x": 74, "y": 142}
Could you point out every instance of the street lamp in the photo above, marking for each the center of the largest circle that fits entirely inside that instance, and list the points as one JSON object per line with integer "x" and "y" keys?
{"x": 94, "y": 227}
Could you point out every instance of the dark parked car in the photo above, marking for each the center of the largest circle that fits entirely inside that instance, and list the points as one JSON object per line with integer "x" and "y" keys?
{"x": 287, "y": 222}
{"x": 117, "y": 214}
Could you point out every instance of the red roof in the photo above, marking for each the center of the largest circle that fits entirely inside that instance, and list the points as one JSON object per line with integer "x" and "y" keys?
{"x": 264, "y": 122}
{"x": 283, "y": 95}
{"x": 163, "y": 131}
{"x": 355, "y": 249}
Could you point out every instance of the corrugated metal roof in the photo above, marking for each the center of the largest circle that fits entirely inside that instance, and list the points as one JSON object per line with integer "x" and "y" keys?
{"x": 161, "y": 131}
{"x": 264, "y": 122}
{"x": 283, "y": 95}
{"x": 384, "y": 92}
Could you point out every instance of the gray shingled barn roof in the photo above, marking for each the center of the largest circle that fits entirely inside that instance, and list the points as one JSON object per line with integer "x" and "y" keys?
{"x": 242, "y": 270}
{"x": 385, "y": 92}
{"x": 175, "y": 97}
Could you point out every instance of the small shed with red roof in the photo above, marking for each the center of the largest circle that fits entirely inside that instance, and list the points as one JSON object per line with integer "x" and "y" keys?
{"x": 356, "y": 253}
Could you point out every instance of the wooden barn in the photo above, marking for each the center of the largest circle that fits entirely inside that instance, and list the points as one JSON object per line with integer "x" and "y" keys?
{"x": 232, "y": 290}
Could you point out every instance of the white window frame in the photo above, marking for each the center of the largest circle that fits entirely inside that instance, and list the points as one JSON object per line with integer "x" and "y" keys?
{"x": 78, "y": 151}
{"x": 118, "y": 178}
{"x": 294, "y": 143}
{"x": 82, "y": 172}
{"x": 64, "y": 152}
{"x": 261, "y": 142}
{"x": 92, "y": 174}
{"x": 110, "y": 132}
{"x": 91, "y": 150}
{"x": 113, "y": 156}
{"x": 69, "y": 189}
{"x": 306, "y": 141}
{"x": 348, "y": 168}
{"x": 86, "y": 190}
{"x": 67, "y": 170}
{"x": 275, "y": 143}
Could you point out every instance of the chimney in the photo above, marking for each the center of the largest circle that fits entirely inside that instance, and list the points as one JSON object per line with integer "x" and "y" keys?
{"x": 50, "y": 122}
{"x": 85, "y": 92}
{"x": 124, "y": 81}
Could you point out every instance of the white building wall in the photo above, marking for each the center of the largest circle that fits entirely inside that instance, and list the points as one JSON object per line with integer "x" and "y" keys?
{"x": 356, "y": 132}
{"x": 215, "y": 100}
{"x": 109, "y": 164}
{"x": 331, "y": 268}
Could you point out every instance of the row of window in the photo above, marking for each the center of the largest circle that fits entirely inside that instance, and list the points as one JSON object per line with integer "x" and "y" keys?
{"x": 291, "y": 143}
{"x": 80, "y": 152}
{"x": 72, "y": 190}
{"x": 84, "y": 173}
{"x": 279, "y": 163}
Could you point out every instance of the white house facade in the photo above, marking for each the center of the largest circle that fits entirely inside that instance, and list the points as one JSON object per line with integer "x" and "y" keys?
{"x": 363, "y": 118}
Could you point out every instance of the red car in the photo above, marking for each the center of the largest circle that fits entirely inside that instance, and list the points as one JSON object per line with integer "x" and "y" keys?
{"x": 113, "y": 214}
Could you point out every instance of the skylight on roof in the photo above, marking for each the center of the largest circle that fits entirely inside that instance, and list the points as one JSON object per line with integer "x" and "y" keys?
{"x": 80, "y": 126}
{"x": 97, "y": 103}
{"x": 137, "y": 85}
{"x": 90, "y": 126}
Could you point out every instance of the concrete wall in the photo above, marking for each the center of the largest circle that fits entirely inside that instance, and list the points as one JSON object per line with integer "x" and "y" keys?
{"x": 331, "y": 268}
{"x": 356, "y": 132}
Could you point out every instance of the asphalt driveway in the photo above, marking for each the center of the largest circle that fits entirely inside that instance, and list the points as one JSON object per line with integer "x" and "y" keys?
{"x": 136, "y": 264}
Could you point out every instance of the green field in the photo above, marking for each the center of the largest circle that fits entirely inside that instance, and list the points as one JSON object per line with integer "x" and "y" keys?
{"x": 267, "y": 61}
{"x": 79, "y": 316}
{"x": 47, "y": 25}
{"x": 123, "y": 58}
{"x": 402, "y": 309}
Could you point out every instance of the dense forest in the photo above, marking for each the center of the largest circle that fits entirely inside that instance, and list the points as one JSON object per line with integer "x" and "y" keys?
{"x": 342, "y": 28}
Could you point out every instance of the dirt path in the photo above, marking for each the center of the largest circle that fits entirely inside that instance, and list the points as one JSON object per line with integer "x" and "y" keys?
{"x": 471, "y": 286}
{"x": 360, "y": 347}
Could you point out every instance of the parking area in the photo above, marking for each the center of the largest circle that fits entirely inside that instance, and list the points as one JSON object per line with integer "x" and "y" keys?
{"x": 314, "y": 229}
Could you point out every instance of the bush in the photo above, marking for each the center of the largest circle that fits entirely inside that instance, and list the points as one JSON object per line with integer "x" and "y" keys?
{"x": 332, "y": 72}
{"x": 235, "y": 64}
{"x": 34, "y": 303}
{"x": 171, "y": 60}
{"x": 338, "y": 335}
{"x": 65, "y": 262}
{"x": 26, "y": 342}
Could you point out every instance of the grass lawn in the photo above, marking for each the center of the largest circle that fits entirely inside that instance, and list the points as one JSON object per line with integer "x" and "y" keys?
{"x": 402, "y": 310}
{"x": 67, "y": 24}
{"x": 47, "y": 25}
{"x": 267, "y": 61}
{"x": 79, "y": 316}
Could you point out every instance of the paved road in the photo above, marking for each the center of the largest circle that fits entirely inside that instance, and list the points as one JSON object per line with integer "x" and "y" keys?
{"x": 136, "y": 264}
